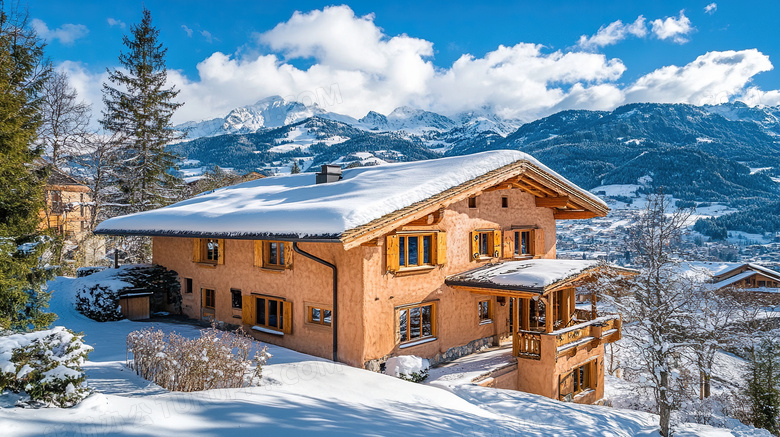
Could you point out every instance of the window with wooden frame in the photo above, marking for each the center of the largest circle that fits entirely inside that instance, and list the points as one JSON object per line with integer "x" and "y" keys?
{"x": 276, "y": 255}
{"x": 209, "y": 298}
{"x": 485, "y": 243}
{"x": 188, "y": 285}
{"x": 319, "y": 315}
{"x": 235, "y": 298}
{"x": 524, "y": 243}
{"x": 472, "y": 202}
{"x": 580, "y": 379}
{"x": 416, "y": 322}
{"x": 267, "y": 312}
{"x": 209, "y": 251}
{"x": 415, "y": 250}
{"x": 485, "y": 310}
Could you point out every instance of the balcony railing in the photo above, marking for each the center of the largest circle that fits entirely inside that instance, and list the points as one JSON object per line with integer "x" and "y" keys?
{"x": 533, "y": 344}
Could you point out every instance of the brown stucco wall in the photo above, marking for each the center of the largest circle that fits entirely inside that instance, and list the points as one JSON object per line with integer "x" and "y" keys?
{"x": 457, "y": 317}
{"x": 306, "y": 282}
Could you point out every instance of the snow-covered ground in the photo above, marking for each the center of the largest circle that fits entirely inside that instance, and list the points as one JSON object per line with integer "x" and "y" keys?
{"x": 301, "y": 395}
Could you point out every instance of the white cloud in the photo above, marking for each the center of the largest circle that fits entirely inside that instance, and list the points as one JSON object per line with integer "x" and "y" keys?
{"x": 187, "y": 30}
{"x": 355, "y": 67}
{"x": 66, "y": 34}
{"x": 614, "y": 33}
{"x": 114, "y": 22}
{"x": 714, "y": 77}
{"x": 207, "y": 35}
{"x": 675, "y": 28}
{"x": 711, "y": 8}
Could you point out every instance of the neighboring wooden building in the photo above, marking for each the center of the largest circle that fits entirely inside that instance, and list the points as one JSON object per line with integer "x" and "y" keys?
{"x": 414, "y": 258}
{"x": 68, "y": 203}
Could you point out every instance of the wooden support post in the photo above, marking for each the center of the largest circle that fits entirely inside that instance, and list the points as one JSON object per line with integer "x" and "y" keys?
{"x": 526, "y": 313}
{"x": 515, "y": 326}
{"x": 593, "y": 301}
{"x": 548, "y": 314}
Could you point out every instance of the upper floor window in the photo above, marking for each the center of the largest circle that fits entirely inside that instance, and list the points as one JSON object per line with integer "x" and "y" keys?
{"x": 522, "y": 243}
{"x": 504, "y": 202}
{"x": 275, "y": 255}
{"x": 209, "y": 251}
{"x": 485, "y": 243}
{"x": 319, "y": 315}
{"x": 411, "y": 250}
{"x": 473, "y": 202}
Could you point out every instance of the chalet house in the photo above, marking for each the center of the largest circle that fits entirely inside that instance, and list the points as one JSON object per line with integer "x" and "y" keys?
{"x": 67, "y": 208}
{"x": 433, "y": 258}
{"x": 761, "y": 282}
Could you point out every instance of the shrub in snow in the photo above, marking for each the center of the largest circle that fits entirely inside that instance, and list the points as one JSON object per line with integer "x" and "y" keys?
{"x": 408, "y": 367}
{"x": 98, "y": 293}
{"x": 218, "y": 359}
{"x": 45, "y": 365}
{"x": 86, "y": 271}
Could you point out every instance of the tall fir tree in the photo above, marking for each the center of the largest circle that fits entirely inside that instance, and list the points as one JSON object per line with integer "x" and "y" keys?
{"x": 139, "y": 108}
{"x": 23, "y": 71}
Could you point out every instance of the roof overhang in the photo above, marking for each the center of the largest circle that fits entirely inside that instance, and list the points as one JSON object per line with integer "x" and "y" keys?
{"x": 567, "y": 200}
{"x": 482, "y": 281}
{"x": 226, "y": 235}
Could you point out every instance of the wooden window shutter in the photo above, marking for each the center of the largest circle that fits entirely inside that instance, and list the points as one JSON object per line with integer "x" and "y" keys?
{"x": 258, "y": 253}
{"x": 221, "y": 254}
{"x": 248, "y": 310}
{"x": 391, "y": 243}
{"x": 196, "y": 244}
{"x": 474, "y": 246}
{"x": 287, "y": 315}
{"x": 441, "y": 247}
{"x": 509, "y": 244}
{"x": 538, "y": 235}
{"x": 594, "y": 373}
{"x": 497, "y": 243}
{"x": 288, "y": 255}
{"x": 566, "y": 386}
{"x": 397, "y": 326}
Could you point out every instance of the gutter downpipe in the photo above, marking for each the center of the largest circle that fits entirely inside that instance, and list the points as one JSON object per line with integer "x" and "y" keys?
{"x": 334, "y": 313}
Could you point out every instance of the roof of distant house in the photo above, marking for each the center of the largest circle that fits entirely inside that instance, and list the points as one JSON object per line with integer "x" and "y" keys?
{"x": 294, "y": 207}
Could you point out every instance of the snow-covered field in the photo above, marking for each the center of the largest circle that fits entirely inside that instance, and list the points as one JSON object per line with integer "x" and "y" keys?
{"x": 303, "y": 395}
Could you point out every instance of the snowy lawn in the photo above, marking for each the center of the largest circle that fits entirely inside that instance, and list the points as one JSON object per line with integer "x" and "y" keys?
{"x": 301, "y": 395}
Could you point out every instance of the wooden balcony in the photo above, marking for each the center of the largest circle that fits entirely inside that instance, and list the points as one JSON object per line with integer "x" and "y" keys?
{"x": 532, "y": 344}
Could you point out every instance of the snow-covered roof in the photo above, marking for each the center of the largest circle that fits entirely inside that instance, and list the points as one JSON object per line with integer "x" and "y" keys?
{"x": 534, "y": 275}
{"x": 705, "y": 270}
{"x": 733, "y": 280}
{"x": 293, "y": 206}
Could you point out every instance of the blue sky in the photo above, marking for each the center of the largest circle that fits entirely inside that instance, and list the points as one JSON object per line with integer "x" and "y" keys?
{"x": 443, "y": 56}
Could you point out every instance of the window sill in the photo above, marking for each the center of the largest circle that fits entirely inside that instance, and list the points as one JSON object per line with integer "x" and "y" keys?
{"x": 318, "y": 326}
{"x": 267, "y": 330}
{"x": 414, "y": 270}
{"x": 486, "y": 322}
{"x": 207, "y": 265}
{"x": 417, "y": 342}
{"x": 272, "y": 269}
{"x": 582, "y": 394}
{"x": 525, "y": 256}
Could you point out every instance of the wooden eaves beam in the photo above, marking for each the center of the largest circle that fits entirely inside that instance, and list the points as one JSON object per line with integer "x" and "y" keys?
{"x": 569, "y": 215}
{"x": 552, "y": 202}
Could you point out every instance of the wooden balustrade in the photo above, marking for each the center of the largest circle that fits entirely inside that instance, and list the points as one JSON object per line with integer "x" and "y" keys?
{"x": 530, "y": 343}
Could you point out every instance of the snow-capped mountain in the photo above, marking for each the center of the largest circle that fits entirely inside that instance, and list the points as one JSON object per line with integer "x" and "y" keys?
{"x": 767, "y": 117}
{"x": 267, "y": 113}
{"x": 408, "y": 119}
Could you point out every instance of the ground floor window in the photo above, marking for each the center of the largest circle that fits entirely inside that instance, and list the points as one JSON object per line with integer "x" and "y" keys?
{"x": 416, "y": 322}
{"x": 319, "y": 315}
{"x": 235, "y": 298}
{"x": 580, "y": 379}
{"x": 484, "y": 309}
{"x": 209, "y": 298}
{"x": 270, "y": 313}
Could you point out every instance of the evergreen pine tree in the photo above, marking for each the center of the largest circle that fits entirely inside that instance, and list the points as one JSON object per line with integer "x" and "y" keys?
{"x": 22, "y": 278}
{"x": 763, "y": 387}
{"x": 139, "y": 107}
{"x": 295, "y": 167}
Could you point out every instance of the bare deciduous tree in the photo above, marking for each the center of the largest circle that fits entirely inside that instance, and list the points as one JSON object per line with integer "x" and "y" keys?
{"x": 64, "y": 119}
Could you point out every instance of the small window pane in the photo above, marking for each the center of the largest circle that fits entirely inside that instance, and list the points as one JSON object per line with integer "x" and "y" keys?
{"x": 413, "y": 254}
{"x": 427, "y": 249}
{"x": 524, "y": 242}
{"x": 315, "y": 315}
{"x": 414, "y": 323}
{"x": 403, "y": 321}
{"x": 273, "y": 253}
{"x": 402, "y": 251}
{"x": 427, "y": 321}
{"x": 188, "y": 285}
{"x": 235, "y": 296}
{"x": 280, "y": 248}
{"x": 273, "y": 314}
{"x": 327, "y": 316}
{"x": 518, "y": 244}
{"x": 261, "y": 311}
